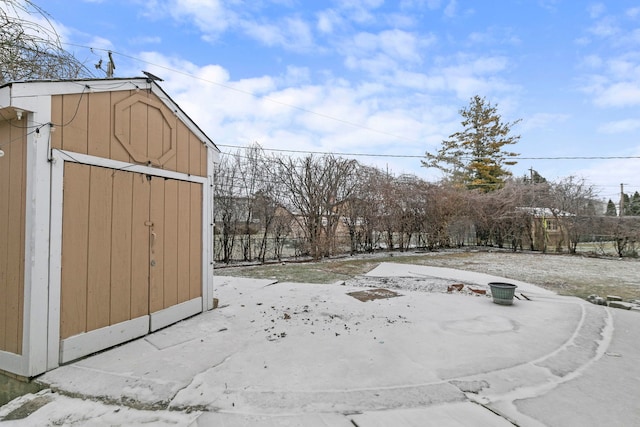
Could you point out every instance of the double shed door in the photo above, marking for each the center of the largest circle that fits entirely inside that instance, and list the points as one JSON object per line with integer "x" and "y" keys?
{"x": 131, "y": 247}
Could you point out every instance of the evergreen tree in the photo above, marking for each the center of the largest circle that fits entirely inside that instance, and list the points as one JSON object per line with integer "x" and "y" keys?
{"x": 626, "y": 203}
{"x": 534, "y": 177}
{"x": 611, "y": 209}
{"x": 474, "y": 157}
{"x": 634, "y": 205}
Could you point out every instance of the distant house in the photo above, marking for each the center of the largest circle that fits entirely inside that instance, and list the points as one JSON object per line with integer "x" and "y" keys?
{"x": 105, "y": 218}
{"x": 546, "y": 229}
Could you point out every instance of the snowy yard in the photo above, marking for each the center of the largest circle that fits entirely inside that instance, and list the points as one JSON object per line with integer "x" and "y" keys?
{"x": 565, "y": 274}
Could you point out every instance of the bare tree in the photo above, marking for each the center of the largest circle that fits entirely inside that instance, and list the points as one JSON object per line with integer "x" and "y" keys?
{"x": 30, "y": 50}
{"x": 389, "y": 211}
{"x": 623, "y": 231}
{"x": 226, "y": 208}
{"x": 280, "y": 228}
{"x": 360, "y": 213}
{"x": 317, "y": 188}
{"x": 572, "y": 205}
{"x": 252, "y": 178}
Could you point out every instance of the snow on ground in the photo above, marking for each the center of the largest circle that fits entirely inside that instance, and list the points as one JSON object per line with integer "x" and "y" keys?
{"x": 52, "y": 409}
{"x": 311, "y": 353}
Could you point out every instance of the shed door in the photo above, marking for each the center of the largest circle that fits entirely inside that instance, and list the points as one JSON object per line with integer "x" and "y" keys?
{"x": 131, "y": 256}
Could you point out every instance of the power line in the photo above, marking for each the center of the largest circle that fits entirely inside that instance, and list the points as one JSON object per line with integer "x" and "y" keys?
{"x": 415, "y": 156}
{"x": 329, "y": 117}
{"x": 252, "y": 94}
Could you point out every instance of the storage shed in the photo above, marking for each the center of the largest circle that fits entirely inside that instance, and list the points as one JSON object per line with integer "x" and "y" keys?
{"x": 106, "y": 218}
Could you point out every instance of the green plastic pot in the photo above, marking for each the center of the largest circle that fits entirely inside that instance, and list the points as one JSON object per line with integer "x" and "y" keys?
{"x": 502, "y": 293}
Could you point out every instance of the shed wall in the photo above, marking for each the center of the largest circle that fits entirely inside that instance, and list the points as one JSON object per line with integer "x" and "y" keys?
{"x": 13, "y": 137}
{"x": 129, "y": 126}
{"x": 131, "y": 246}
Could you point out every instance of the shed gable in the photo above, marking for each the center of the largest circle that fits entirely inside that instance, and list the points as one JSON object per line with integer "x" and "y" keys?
{"x": 154, "y": 143}
{"x": 129, "y": 126}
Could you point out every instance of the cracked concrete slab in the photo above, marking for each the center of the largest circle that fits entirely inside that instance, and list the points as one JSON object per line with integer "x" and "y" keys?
{"x": 282, "y": 353}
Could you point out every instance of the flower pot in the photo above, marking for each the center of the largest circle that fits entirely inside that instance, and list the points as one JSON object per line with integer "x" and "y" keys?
{"x": 502, "y": 293}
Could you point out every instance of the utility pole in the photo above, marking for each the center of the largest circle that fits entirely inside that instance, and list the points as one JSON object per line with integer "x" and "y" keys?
{"x": 621, "y": 200}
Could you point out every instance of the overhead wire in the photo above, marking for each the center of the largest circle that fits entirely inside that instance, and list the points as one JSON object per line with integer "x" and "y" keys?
{"x": 252, "y": 94}
{"x": 416, "y": 156}
{"x": 327, "y": 116}
{"x": 296, "y": 107}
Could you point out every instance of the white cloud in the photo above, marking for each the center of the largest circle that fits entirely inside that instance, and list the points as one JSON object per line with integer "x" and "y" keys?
{"x": 615, "y": 59}
{"x": 360, "y": 11}
{"x": 210, "y": 16}
{"x": 146, "y": 40}
{"x": 543, "y": 121}
{"x": 620, "y": 126}
{"x": 411, "y": 4}
{"x": 605, "y": 27}
{"x": 609, "y": 174}
{"x": 622, "y": 94}
{"x": 471, "y": 76}
{"x": 328, "y": 21}
{"x": 495, "y": 36}
{"x": 290, "y": 112}
{"x": 596, "y": 10}
{"x": 101, "y": 43}
{"x": 385, "y": 51}
{"x": 633, "y": 13}
{"x": 451, "y": 10}
{"x": 592, "y": 61}
{"x": 290, "y": 33}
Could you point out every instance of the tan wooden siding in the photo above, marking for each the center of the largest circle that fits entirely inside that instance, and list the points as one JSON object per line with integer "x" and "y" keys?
{"x": 131, "y": 246}
{"x": 12, "y": 234}
{"x": 128, "y": 126}
{"x": 75, "y": 230}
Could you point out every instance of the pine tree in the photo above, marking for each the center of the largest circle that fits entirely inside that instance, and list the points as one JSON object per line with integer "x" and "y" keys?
{"x": 634, "y": 205}
{"x": 534, "y": 177}
{"x": 611, "y": 209}
{"x": 474, "y": 157}
{"x": 626, "y": 203}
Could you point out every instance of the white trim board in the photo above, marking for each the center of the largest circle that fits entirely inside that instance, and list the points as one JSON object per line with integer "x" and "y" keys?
{"x": 175, "y": 313}
{"x": 13, "y": 363}
{"x": 70, "y": 156}
{"x": 63, "y": 351}
{"x": 86, "y": 343}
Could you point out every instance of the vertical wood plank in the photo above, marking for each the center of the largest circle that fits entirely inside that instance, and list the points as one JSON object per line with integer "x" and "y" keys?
{"x": 182, "y": 148}
{"x": 5, "y": 206}
{"x": 122, "y": 209}
{"x": 139, "y": 126}
{"x": 23, "y": 240}
{"x": 167, "y": 143}
{"x": 56, "y": 119}
{"x": 74, "y": 122}
{"x": 99, "y": 124}
{"x": 99, "y": 248}
{"x": 194, "y": 155}
{"x": 12, "y": 237}
{"x": 156, "y": 269}
{"x": 154, "y": 138}
{"x": 75, "y": 224}
{"x": 195, "y": 242}
{"x": 203, "y": 159}
{"x": 170, "y": 261}
{"x": 184, "y": 228}
{"x": 140, "y": 247}
{"x": 15, "y": 240}
{"x": 118, "y": 152}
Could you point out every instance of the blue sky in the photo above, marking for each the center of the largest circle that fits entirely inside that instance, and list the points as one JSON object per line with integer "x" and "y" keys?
{"x": 387, "y": 77}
